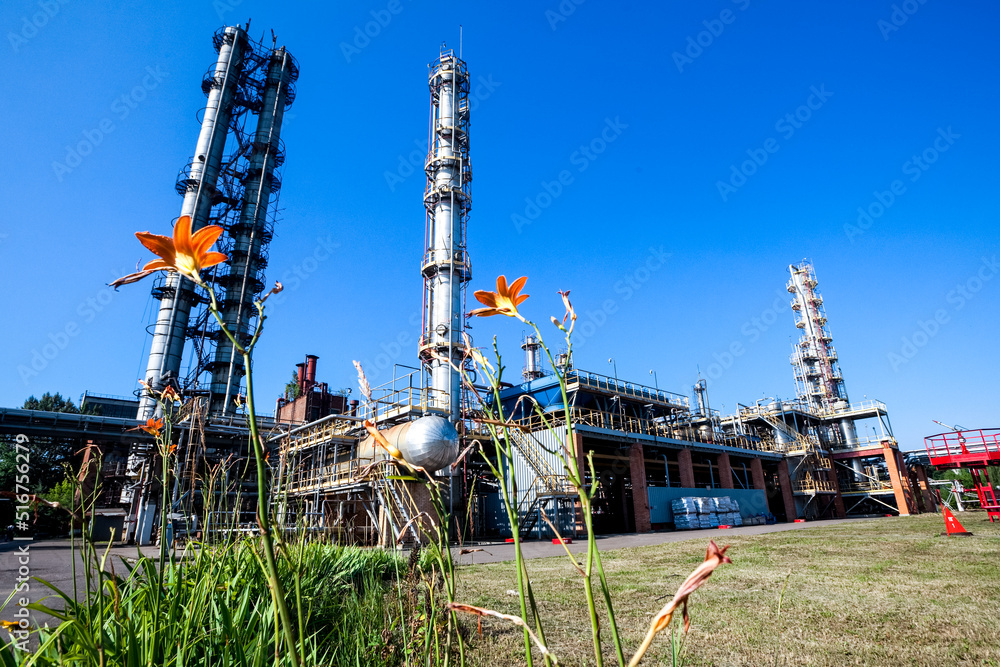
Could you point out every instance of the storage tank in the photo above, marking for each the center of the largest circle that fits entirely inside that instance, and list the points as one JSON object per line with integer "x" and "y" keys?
{"x": 429, "y": 442}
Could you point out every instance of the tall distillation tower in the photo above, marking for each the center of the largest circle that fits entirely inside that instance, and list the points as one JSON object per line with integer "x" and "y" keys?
{"x": 230, "y": 181}
{"x": 445, "y": 267}
{"x": 818, "y": 380}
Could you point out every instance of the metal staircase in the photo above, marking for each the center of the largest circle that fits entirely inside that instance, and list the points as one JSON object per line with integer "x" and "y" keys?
{"x": 547, "y": 484}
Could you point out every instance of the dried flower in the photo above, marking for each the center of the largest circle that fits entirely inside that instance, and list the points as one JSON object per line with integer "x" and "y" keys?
{"x": 502, "y": 302}
{"x": 185, "y": 253}
{"x": 366, "y": 388}
{"x": 714, "y": 557}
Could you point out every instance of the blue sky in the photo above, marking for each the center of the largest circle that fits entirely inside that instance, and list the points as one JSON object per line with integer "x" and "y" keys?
{"x": 673, "y": 260}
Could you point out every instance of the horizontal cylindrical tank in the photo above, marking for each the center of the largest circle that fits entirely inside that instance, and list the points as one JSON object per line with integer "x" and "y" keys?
{"x": 429, "y": 442}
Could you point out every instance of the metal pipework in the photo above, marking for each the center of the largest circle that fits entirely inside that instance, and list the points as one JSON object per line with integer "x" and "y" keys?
{"x": 200, "y": 194}
{"x": 447, "y": 201}
{"x": 243, "y": 281}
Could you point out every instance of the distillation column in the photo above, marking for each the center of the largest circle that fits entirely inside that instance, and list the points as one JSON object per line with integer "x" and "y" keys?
{"x": 200, "y": 194}
{"x": 817, "y": 372}
{"x": 243, "y": 282}
{"x": 447, "y": 200}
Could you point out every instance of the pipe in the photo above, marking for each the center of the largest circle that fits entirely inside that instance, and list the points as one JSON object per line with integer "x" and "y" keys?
{"x": 169, "y": 335}
{"x": 242, "y": 282}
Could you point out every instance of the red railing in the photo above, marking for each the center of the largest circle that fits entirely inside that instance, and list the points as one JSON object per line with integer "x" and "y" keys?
{"x": 957, "y": 448}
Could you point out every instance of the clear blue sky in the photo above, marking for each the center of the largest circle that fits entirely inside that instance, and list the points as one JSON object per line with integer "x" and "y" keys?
{"x": 546, "y": 88}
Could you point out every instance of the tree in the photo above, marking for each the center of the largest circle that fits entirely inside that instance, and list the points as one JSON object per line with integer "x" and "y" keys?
{"x": 292, "y": 389}
{"x": 51, "y": 403}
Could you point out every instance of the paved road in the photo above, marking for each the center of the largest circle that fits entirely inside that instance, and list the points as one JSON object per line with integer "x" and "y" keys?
{"x": 500, "y": 551}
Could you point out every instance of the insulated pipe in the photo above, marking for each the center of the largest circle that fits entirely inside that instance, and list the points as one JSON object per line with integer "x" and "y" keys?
{"x": 242, "y": 279}
{"x": 169, "y": 335}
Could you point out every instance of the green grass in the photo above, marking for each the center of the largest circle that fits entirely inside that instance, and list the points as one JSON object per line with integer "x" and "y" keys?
{"x": 887, "y": 591}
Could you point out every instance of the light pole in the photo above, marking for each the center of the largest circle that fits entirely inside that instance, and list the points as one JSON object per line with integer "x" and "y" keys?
{"x": 613, "y": 363}
{"x": 656, "y": 383}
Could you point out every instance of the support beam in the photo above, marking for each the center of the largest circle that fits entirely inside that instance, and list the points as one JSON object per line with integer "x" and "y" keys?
{"x": 785, "y": 480}
{"x": 725, "y": 471}
{"x": 757, "y": 472}
{"x": 900, "y": 484}
{"x": 686, "y": 467}
{"x": 640, "y": 497}
{"x": 838, "y": 501}
{"x": 925, "y": 491}
{"x": 581, "y": 462}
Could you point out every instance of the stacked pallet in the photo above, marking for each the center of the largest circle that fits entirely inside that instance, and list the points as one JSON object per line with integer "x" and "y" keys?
{"x": 700, "y": 512}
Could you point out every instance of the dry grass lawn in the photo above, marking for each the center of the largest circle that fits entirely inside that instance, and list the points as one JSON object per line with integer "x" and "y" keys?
{"x": 887, "y": 591}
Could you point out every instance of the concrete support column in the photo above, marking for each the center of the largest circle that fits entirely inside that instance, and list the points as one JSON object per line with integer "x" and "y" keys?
{"x": 838, "y": 502}
{"x": 925, "y": 489}
{"x": 900, "y": 484}
{"x": 785, "y": 480}
{"x": 757, "y": 472}
{"x": 640, "y": 497}
{"x": 686, "y": 468}
{"x": 581, "y": 462}
{"x": 725, "y": 471}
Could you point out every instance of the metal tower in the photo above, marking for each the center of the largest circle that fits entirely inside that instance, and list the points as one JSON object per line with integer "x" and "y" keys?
{"x": 229, "y": 182}
{"x": 447, "y": 199}
{"x": 532, "y": 359}
{"x": 250, "y": 234}
{"x": 818, "y": 380}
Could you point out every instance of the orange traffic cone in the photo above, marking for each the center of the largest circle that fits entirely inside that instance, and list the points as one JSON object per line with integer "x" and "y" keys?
{"x": 953, "y": 526}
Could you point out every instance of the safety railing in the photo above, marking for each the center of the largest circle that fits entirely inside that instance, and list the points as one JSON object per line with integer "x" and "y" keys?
{"x": 963, "y": 445}
{"x": 628, "y": 389}
{"x": 813, "y": 486}
{"x": 865, "y": 486}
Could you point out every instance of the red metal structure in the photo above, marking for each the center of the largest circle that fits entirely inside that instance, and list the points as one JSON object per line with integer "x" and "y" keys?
{"x": 975, "y": 449}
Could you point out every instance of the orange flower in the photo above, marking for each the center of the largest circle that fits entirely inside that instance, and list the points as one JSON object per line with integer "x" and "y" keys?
{"x": 502, "y": 302}
{"x": 170, "y": 394}
{"x": 714, "y": 557}
{"x": 185, "y": 253}
{"x": 152, "y": 426}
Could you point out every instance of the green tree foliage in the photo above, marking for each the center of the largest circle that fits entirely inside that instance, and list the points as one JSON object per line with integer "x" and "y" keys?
{"x": 292, "y": 389}
{"x": 51, "y": 403}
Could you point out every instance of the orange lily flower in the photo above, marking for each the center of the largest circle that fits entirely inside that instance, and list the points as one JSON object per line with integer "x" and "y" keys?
{"x": 170, "y": 394}
{"x": 502, "y": 302}
{"x": 714, "y": 557}
{"x": 185, "y": 253}
{"x": 152, "y": 426}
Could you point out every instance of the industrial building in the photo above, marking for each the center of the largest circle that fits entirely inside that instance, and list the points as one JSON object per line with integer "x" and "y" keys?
{"x": 792, "y": 459}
